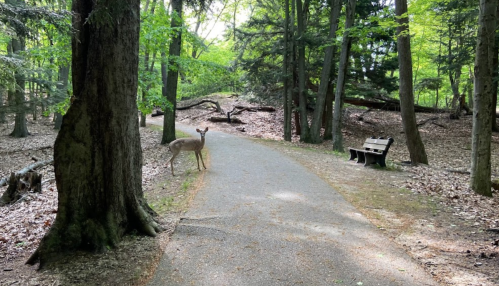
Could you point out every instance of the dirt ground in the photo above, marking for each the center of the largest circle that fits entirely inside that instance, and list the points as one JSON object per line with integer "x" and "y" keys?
{"x": 428, "y": 210}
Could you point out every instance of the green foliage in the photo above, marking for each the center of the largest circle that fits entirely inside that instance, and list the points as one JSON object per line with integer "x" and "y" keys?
{"x": 211, "y": 73}
{"x": 45, "y": 32}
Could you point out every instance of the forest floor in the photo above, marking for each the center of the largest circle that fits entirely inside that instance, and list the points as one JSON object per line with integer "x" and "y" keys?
{"x": 428, "y": 210}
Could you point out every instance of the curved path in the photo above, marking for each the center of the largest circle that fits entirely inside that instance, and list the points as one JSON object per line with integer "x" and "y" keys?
{"x": 263, "y": 219}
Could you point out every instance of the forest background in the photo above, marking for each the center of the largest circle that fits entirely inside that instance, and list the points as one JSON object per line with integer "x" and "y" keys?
{"x": 303, "y": 55}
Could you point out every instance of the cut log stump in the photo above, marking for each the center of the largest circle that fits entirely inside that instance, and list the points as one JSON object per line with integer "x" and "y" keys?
{"x": 19, "y": 185}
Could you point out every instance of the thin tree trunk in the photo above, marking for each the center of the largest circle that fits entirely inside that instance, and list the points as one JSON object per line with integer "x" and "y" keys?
{"x": 294, "y": 68}
{"x": 482, "y": 125}
{"x": 146, "y": 70}
{"x": 340, "y": 84}
{"x": 3, "y": 117}
{"x": 17, "y": 45}
{"x": 20, "y": 128}
{"x": 97, "y": 153}
{"x": 315, "y": 129}
{"x": 328, "y": 128}
{"x": 170, "y": 90}
{"x": 302, "y": 93}
{"x": 495, "y": 77}
{"x": 438, "y": 72}
{"x": 287, "y": 94}
{"x": 414, "y": 143}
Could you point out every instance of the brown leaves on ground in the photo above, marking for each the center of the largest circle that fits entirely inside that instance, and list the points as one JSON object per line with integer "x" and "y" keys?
{"x": 456, "y": 241}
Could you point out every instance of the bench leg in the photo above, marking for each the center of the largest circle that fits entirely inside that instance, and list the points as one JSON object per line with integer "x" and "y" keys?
{"x": 381, "y": 161}
{"x": 361, "y": 157}
{"x": 370, "y": 159}
{"x": 353, "y": 155}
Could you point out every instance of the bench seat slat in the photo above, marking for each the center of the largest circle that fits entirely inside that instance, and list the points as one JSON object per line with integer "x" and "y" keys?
{"x": 378, "y": 141}
{"x": 381, "y": 147}
{"x": 374, "y": 151}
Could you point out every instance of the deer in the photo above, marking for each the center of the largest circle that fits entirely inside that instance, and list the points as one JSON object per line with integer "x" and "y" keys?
{"x": 188, "y": 144}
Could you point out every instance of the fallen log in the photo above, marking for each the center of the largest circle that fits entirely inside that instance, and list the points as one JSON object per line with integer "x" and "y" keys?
{"x": 256, "y": 108}
{"x": 225, "y": 119}
{"x": 19, "y": 185}
{"x": 426, "y": 121}
{"x": 27, "y": 169}
{"x": 219, "y": 109}
{"x": 390, "y": 104}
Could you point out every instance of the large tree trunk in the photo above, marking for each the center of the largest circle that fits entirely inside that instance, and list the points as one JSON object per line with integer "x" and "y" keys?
{"x": 482, "y": 125}
{"x": 315, "y": 129}
{"x": 172, "y": 80}
{"x": 413, "y": 138}
{"x": 340, "y": 84}
{"x": 97, "y": 153}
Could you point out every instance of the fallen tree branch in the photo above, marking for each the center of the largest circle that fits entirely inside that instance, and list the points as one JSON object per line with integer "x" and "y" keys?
{"x": 27, "y": 169}
{"x": 243, "y": 109}
{"x": 256, "y": 108}
{"x": 219, "y": 109}
{"x": 225, "y": 119}
{"x": 426, "y": 121}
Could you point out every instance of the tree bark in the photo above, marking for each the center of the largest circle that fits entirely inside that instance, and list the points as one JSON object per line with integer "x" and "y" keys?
{"x": 414, "y": 143}
{"x": 495, "y": 75}
{"x": 170, "y": 90}
{"x": 3, "y": 117}
{"x": 302, "y": 93}
{"x": 340, "y": 84}
{"x": 482, "y": 123}
{"x": 97, "y": 153}
{"x": 315, "y": 128}
{"x": 287, "y": 98}
{"x": 17, "y": 46}
{"x": 328, "y": 129}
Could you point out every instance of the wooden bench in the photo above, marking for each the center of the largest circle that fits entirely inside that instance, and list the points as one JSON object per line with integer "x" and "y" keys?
{"x": 374, "y": 151}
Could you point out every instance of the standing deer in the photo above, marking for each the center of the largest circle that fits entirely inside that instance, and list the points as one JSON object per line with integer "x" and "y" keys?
{"x": 188, "y": 144}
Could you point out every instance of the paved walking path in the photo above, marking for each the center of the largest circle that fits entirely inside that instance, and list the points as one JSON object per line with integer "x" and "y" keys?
{"x": 263, "y": 219}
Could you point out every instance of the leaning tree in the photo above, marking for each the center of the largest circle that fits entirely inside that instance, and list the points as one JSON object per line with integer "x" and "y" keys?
{"x": 97, "y": 153}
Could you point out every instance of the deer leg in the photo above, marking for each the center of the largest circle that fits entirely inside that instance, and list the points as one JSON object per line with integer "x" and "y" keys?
{"x": 201, "y": 155}
{"x": 197, "y": 159}
{"x": 171, "y": 163}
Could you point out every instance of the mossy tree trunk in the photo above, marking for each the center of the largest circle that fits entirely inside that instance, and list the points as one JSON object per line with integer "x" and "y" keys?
{"x": 97, "y": 153}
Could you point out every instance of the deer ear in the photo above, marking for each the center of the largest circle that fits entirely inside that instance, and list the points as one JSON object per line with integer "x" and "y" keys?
{"x": 206, "y": 129}
{"x": 197, "y": 129}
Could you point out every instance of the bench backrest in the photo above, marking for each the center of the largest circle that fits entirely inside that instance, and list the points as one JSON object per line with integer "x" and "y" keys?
{"x": 378, "y": 145}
